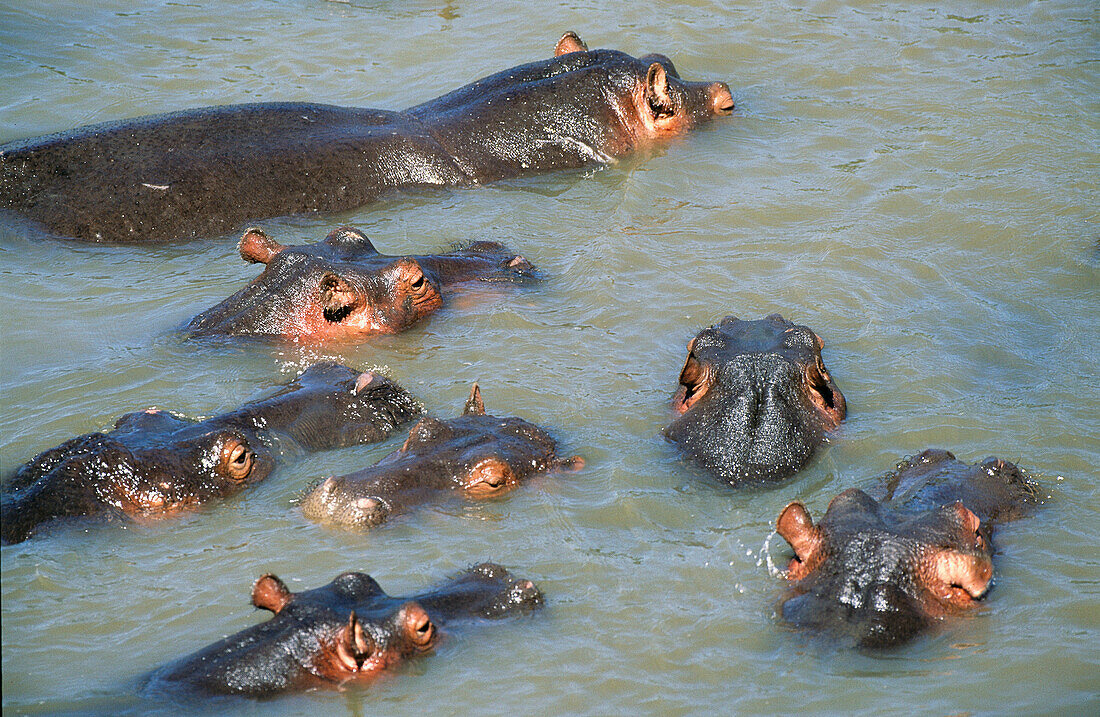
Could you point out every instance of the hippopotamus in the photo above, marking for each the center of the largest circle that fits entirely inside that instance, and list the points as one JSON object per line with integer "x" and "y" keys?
{"x": 755, "y": 400}
{"x": 153, "y": 464}
{"x": 343, "y": 289}
{"x": 347, "y": 631}
{"x": 880, "y": 571}
{"x": 475, "y": 455}
{"x": 209, "y": 171}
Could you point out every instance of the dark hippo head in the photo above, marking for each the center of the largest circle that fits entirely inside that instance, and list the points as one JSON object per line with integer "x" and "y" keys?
{"x": 881, "y": 572}
{"x": 661, "y": 104}
{"x": 342, "y": 289}
{"x": 580, "y": 107}
{"x": 755, "y": 399}
{"x": 348, "y": 630}
{"x": 881, "y": 577}
{"x": 476, "y": 455}
{"x": 154, "y": 464}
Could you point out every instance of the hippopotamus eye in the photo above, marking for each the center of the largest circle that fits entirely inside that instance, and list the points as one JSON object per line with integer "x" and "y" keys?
{"x": 237, "y": 459}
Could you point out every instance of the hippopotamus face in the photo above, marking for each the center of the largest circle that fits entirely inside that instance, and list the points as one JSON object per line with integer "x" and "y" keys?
{"x": 153, "y": 464}
{"x": 880, "y": 572}
{"x": 347, "y": 630}
{"x": 475, "y": 455}
{"x": 755, "y": 399}
{"x": 342, "y": 289}
{"x": 580, "y": 107}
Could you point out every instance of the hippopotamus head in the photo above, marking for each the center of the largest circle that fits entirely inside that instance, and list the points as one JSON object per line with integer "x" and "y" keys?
{"x": 755, "y": 399}
{"x": 880, "y": 572}
{"x": 878, "y": 576}
{"x": 348, "y": 630}
{"x": 342, "y": 289}
{"x": 579, "y": 107}
{"x": 154, "y": 464}
{"x": 661, "y": 103}
{"x": 476, "y": 455}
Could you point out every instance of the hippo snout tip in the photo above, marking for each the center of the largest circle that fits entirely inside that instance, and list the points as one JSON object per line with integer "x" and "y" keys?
{"x": 721, "y": 99}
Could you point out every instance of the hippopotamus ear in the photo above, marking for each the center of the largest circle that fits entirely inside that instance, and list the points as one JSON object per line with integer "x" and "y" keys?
{"x": 474, "y": 404}
{"x": 354, "y": 646}
{"x": 797, "y": 527}
{"x": 569, "y": 42}
{"x": 270, "y": 593}
{"x": 257, "y": 247}
{"x": 337, "y": 298}
{"x": 656, "y": 91}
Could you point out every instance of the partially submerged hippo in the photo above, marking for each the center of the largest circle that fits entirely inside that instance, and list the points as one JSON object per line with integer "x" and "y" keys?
{"x": 348, "y": 630}
{"x": 209, "y": 171}
{"x": 880, "y": 572}
{"x": 342, "y": 289}
{"x": 476, "y": 455}
{"x": 755, "y": 400}
{"x": 153, "y": 464}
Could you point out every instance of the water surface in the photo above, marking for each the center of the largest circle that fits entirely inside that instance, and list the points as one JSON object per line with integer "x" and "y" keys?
{"x": 916, "y": 183}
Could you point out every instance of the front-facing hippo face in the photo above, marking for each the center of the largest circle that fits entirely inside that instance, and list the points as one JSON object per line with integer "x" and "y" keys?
{"x": 342, "y": 289}
{"x": 152, "y": 464}
{"x": 878, "y": 576}
{"x": 346, "y": 631}
{"x": 475, "y": 455}
{"x": 755, "y": 399}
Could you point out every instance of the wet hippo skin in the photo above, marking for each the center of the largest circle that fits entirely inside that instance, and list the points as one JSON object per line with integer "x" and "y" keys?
{"x": 476, "y": 455}
{"x": 879, "y": 572}
{"x": 153, "y": 464}
{"x": 347, "y": 631}
{"x": 342, "y": 289}
{"x": 210, "y": 171}
{"x": 755, "y": 400}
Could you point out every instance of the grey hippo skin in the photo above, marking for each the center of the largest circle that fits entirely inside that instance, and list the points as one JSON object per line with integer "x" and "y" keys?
{"x": 877, "y": 572}
{"x": 476, "y": 455}
{"x": 210, "y": 171}
{"x": 154, "y": 464}
{"x": 343, "y": 289}
{"x": 755, "y": 400}
{"x": 346, "y": 631}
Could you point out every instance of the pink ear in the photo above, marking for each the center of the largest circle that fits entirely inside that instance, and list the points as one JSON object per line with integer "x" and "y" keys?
{"x": 797, "y": 527}
{"x": 270, "y": 593}
{"x": 257, "y": 247}
{"x": 569, "y": 42}
{"x": 474, "y": 404}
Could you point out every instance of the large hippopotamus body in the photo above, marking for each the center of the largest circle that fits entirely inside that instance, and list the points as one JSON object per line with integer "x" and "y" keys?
{"x": 475, "y": 455}
{"x": 880, "y": 571}
{"x": 755, "y": 400}
{"x": 343, "y": 289}
{"x": 209, "y": 171}
{"x": 153, "y": 464}
{"x": 346, "y": 631}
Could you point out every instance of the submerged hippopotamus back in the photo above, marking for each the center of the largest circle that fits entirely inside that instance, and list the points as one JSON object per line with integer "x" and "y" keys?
{"x": 476, "y": 455}
{"x": 153, "y": 464}
{"x": 755, "y": 400}
{"x": 209, "y": 171}
{"x": 880, "y": 572}
{"x": 343, "y": 289}
{"x": 346, "y": 631}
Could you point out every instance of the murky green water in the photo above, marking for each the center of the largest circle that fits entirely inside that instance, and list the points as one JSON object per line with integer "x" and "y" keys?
{"x": 918, "y": 183}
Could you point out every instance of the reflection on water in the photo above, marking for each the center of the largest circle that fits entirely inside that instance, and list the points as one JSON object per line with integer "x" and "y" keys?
{"x": 917, "y": 185}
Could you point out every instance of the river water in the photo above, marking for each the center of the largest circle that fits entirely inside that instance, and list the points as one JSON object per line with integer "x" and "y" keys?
{"x": 916, "y": 182}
